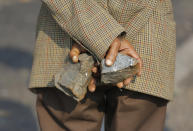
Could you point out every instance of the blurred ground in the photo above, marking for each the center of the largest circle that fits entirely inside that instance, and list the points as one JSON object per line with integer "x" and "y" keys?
{"x": 17, "y": 32}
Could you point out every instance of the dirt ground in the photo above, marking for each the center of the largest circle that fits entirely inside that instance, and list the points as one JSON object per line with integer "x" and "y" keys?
{"x": 17, "y": 32}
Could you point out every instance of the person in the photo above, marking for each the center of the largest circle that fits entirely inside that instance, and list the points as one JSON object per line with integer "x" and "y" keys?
{"x": 139, "y": 28}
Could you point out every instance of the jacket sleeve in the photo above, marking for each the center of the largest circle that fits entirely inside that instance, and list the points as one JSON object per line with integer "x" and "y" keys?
{"x": 87, "y": 23}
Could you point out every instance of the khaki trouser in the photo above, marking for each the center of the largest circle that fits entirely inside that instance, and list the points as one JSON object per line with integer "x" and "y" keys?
{"x": 123, "y": 110}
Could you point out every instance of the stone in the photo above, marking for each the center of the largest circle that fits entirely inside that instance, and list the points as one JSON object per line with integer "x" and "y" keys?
{"x": 118, "y": 76}
{"x": 74, "y": 78}
{"x": 124, "y": 67}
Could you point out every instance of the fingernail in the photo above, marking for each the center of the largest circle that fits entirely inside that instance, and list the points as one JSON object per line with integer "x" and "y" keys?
{"x": 109, "y": 62}
{"x": 74, "y": 58}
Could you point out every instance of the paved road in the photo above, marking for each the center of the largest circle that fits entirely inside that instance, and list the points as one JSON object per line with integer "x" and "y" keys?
{"x": 17, "y": 25}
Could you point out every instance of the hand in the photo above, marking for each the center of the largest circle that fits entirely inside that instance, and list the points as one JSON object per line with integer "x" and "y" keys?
{"x": 74, "y": 53}
{"x": 124, "y": 47}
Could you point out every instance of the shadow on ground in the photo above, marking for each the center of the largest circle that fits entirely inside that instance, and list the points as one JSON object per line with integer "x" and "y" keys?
{"x": 15, "y": 58}
{"x": 14, "y": 115}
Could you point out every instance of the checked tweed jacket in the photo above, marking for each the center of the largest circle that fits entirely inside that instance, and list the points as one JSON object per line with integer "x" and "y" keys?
{"x": 147, "y": 24}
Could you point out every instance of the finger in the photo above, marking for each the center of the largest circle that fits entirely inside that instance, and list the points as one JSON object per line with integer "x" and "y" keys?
{"x": 140, "y": 67}
{"x": 127, "y": 81}
{"x": 94, "y": 69}
{"x": 112, "y": 52}
{"x": 129, "y": 52}
{"x": 74, "y": 53}
{"x": 120, "y": 84}
{"x": 92, "y": 86}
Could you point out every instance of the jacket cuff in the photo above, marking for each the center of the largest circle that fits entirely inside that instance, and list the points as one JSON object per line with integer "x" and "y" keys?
{"x": 101, "y": 45}
{"x": 122, "y": 35}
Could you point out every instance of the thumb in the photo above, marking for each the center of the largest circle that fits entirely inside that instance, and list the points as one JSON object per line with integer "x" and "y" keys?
{"x": 112, "y": 52}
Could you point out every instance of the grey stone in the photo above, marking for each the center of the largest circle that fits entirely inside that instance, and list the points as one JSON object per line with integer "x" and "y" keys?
{"x": 118, "y": 76}
{"x": 122, "y": 61}
{"x": 124, "y": 67}
{"x": 74, "y": 78}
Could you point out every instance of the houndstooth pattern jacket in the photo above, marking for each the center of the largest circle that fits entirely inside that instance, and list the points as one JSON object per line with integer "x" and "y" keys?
{"x": 148, "y": 24}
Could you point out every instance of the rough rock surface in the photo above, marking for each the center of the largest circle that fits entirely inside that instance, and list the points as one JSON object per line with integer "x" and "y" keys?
{"x": 73, "y": 79}
{"x": 124, "y": 67}
{"x": 118, "y": 76}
